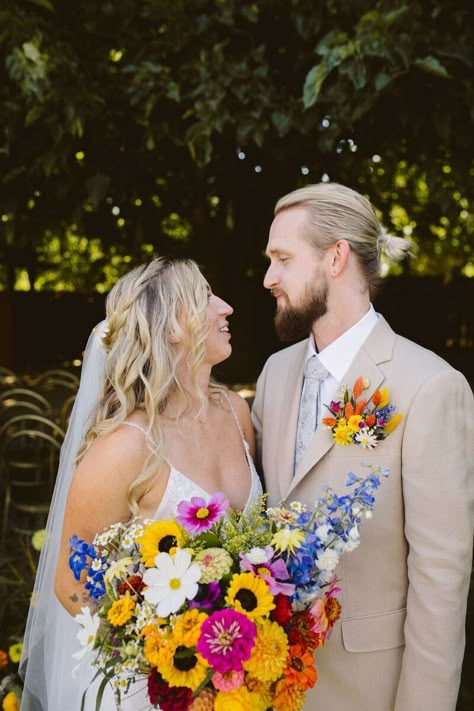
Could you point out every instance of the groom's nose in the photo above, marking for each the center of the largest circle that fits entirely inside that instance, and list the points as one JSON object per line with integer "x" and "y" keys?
{"x": 270, "y": 279}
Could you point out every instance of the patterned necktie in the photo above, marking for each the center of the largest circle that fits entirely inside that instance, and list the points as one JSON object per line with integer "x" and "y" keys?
{"x": 314, "y": 374}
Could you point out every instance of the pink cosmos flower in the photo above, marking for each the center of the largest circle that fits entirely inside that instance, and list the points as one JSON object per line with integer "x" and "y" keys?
{"x": 226, "y": 640}
{"x": 197, "y": 515}
{"x": 228, "y": 680}
{"x": 269, "y": 570}
{"x": 326, "y": 612}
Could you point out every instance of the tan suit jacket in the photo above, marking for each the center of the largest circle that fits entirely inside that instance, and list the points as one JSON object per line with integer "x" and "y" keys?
{"x": 400, "y": 642}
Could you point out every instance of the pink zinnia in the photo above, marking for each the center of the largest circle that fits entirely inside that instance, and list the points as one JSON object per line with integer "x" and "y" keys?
{"x": 197, "y": 515}
{"x": 228, "y": 680}
{"x": 226, "y": 640}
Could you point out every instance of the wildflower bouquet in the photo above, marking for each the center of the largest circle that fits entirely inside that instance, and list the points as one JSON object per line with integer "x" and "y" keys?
{"x": 219, "y": 610}
{"x": 358, "y": 420}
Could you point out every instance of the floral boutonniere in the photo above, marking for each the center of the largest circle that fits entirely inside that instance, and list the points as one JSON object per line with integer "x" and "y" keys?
{"x": 358, "y": 420}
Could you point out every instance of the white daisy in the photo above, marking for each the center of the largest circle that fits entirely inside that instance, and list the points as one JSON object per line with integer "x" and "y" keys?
{"x": 366, "y": 438}
{"x": 171, "y": 582}
{"x": 89, "y": 624}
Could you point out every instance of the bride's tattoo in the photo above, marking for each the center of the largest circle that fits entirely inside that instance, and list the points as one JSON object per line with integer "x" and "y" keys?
{"x": 73, "y": 598}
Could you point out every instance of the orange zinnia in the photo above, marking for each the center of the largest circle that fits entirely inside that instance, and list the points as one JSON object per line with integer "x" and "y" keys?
{"x": 288, "y": 697}
{"x": 370, "y": 420}
{"x": 300, "y": 669}
{"x": 348, "y": 410}
{"x": 329, "y": 421}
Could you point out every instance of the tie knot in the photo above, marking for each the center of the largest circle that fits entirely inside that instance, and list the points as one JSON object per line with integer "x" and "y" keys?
{"x": 315, "y": 370}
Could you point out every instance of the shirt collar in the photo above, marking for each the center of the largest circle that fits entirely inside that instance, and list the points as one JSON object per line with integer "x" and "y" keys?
{"x": 339, "y": 354}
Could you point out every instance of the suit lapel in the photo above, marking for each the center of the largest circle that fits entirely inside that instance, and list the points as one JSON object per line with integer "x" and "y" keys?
{"x": 377, "y": 349}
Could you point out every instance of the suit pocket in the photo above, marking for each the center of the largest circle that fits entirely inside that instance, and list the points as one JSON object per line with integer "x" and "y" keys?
{"x": 375, "y": 632}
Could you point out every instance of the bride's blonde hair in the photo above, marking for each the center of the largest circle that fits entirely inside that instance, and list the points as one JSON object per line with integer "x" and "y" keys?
{"x": 144, "y": 345}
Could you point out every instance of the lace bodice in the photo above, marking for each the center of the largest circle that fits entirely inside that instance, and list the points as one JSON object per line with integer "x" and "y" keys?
{"x": 180, "y": 486}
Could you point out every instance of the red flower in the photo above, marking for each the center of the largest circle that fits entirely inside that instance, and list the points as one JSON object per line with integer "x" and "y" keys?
{"x": 133, "y": 585}
{"x": 177, "y": 698}
{"x": 3, "y": 658}
{"x": 282, "y": 612}
{"x": 301, "y": 631}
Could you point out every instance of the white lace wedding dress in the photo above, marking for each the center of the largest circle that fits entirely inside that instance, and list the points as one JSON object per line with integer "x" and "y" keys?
{"x": 179, "y": 487}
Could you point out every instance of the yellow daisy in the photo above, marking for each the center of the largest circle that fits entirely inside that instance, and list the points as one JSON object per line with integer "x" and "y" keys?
{"x": 121, "y": 611}
{"x": 353, "y": 423}
{"x": 159, "y": 537}
{"x": 181, "y": 666}
{"x": 269, "y": 653}
{"x": 287, "y": 539}
{"x": 250, "y": 596}
{"x": 342, "y": 435}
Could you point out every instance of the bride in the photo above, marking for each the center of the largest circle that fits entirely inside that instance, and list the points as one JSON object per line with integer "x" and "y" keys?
{"x": 157, "y": 430}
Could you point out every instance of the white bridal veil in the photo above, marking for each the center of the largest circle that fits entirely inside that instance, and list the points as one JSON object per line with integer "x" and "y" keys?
{"x": 50, "y": 636}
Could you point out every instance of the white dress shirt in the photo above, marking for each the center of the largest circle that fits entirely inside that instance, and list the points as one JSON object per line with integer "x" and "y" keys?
{"x": 338, "y": 356}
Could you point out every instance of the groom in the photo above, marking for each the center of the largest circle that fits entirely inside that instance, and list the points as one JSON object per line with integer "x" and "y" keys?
{"x": 399, "y": 645}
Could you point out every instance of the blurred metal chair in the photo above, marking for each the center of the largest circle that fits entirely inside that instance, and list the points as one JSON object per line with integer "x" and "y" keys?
{"x": 29, "y": 460}
{"x": 56, "y": 374}
{"x": 31, "y": 421}
{"x": 7, "y": 378}
{"x": 19, "y": 401}
{"x": 66, "y": 410}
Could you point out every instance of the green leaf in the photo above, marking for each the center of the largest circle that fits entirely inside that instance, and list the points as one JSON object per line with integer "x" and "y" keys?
{"x": 281, "y": 122}
{"x": 209, "y": 539}
{"x": 432, "y": 66}
{"x": 313, "y": 84}
{"x": 382, "y": 79}
{"x": 357, "y": 72}
{"x": 44, "y": 3}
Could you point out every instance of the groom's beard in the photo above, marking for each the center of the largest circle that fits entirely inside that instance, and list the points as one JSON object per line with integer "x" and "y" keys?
{"x": 295, "y": 322}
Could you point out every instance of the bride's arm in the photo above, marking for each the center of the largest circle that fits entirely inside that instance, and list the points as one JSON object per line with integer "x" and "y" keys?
{"x": 97, "y": 498}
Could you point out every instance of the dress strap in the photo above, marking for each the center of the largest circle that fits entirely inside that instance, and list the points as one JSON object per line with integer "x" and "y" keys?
{"x": 139, "y": 427}
{"x": 235, "y": 416}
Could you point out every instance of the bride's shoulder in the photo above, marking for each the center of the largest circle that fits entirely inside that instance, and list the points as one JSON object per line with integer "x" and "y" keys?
{"x": 122, "y": 449}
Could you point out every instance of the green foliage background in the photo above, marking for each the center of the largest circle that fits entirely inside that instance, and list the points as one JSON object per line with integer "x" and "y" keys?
{"x": 150, "y": 127}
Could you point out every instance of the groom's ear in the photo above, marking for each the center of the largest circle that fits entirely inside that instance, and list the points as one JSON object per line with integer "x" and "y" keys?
{"x": 339, "y": 254}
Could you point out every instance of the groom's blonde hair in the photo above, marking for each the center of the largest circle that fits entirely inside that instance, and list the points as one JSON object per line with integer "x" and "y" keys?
{"x": 337, "y": 212}
{"x": 144, "y": 344}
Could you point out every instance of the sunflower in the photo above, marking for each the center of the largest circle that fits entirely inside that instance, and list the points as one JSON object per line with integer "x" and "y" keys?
{"x": 181, "y": 666}
{"x": 159, "y": 537}
{"x": 121, "y": 611}
{"x": 269, "y": 653}
{"x": 250, "y": 596}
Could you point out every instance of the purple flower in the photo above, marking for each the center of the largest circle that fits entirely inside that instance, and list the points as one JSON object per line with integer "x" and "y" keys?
{"x": 335, "y": 406}
{"x": 207, "y": 595}
{"x": 259, "y": 562}
{"x": 226, "y": 640}
{"x": 198, "y": 515}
